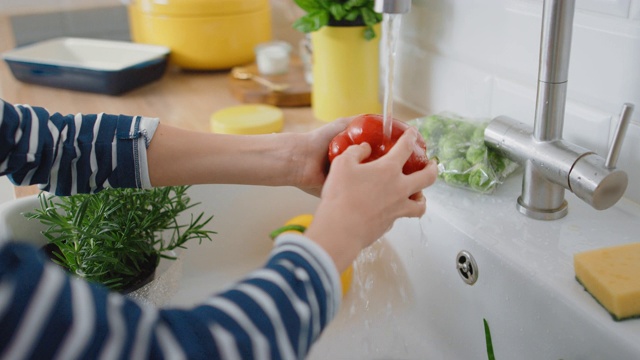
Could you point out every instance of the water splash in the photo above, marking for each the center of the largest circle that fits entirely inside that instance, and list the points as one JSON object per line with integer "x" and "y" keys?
{"x": 424, "y": 241}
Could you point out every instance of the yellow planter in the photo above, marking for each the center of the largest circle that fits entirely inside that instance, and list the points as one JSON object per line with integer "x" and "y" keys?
{"x": 345, "y": 72}
{"x": 203, "y": 34}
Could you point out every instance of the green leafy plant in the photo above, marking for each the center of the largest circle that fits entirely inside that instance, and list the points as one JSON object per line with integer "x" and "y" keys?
{"x": 321, "y": 13}
{"x": 113, "y": 236}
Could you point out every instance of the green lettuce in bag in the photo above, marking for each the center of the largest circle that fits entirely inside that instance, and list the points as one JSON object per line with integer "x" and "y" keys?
{"x": 464, "y": 159}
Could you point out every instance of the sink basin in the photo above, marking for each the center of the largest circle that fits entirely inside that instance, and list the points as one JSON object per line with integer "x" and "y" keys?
{"x": 408, "y": 299}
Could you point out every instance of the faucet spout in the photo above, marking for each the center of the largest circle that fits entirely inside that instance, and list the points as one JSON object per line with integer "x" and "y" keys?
{"x": 551, "y": 164}
{"x": 553, "y": 70}
{"x": 392, "y": 6}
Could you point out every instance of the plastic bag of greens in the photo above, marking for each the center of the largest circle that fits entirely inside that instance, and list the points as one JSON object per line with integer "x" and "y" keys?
{"x": 464, "y": 159}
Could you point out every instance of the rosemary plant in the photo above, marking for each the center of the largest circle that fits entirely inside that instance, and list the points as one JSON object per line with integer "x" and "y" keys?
{"x": 111, "y": 237}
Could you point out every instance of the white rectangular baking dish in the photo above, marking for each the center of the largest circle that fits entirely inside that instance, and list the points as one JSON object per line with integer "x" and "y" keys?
{"x": 101, "y": 66}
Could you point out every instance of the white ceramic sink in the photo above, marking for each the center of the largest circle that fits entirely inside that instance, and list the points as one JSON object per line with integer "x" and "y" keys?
{"x": 408, "y": 300}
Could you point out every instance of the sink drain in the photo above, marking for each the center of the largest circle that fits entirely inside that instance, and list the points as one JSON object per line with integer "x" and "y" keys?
{"x": 467, "y": 267}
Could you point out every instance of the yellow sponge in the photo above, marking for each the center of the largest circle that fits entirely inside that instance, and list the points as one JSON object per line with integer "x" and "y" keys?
{"x": 612, "y": 276}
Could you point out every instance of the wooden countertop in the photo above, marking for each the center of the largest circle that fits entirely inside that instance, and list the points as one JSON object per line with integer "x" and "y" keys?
{"x": 184, "y": 99}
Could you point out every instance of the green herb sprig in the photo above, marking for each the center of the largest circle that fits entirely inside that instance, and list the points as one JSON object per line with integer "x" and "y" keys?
{"x": 320, "y": 13}
{"x": 487, "y": 337}
{"x": 111, "y": 236}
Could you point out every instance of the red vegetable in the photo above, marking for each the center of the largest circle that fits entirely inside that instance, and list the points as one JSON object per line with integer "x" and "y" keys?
{"x": 369, "y": 128}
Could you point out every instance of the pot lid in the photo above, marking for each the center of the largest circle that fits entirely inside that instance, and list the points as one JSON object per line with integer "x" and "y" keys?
{"x": 197, "y": 7}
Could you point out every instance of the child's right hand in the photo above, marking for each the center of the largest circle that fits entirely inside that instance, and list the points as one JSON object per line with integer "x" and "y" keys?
{"x": 360, "y": 201}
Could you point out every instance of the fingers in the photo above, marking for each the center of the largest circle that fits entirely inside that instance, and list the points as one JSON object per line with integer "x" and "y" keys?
{"x": 422, "y": 179}
{"x": 357, "y": 152}
{"x": 343, "y": 122}
{"x": 337, "y": 125}
{"x": 403, "y": 148}
{"x": 416, "y": 196}
{"x": 326, "y": 132}
{"x": 429, "y": 173}
{"x": 399, "y": 154}
{"x": 415, "y": 206}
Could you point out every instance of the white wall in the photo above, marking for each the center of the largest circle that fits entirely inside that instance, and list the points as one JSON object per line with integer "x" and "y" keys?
{"x": 479, "y": 58}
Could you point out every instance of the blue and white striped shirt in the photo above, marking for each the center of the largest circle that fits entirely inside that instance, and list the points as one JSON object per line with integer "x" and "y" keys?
{"x": 74, "y": 153}
{"x": 276, "y": 312}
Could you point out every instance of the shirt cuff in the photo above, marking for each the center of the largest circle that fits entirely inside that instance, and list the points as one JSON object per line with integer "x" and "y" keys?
{"x": 147, "y": 128}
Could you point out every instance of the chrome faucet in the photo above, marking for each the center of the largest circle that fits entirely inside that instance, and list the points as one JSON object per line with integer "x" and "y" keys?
{"x": 552, "y": 164}
{"x": 392, "y": 6}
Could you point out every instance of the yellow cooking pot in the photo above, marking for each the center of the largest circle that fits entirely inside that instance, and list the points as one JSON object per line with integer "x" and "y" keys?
{"x": 299, "y": 224}
{"x": 202, "y": 34}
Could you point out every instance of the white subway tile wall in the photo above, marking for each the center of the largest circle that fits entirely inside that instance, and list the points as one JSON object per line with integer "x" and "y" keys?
{"x": 479, "y": 58}
{"x": 618, "y": 8}
{"x": 630, "y": 161}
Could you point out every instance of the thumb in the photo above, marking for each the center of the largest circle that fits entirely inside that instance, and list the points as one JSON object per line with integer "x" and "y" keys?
{"x": 358, "y": 152}
{"x": 403, "y": 148}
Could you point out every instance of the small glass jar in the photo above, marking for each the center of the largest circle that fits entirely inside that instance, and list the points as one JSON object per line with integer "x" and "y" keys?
{"x": 272, "y": 57}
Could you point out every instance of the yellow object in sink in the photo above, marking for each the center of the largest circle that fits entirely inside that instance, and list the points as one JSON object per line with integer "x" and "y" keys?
{"x": 611, "y": 276}
{"x": 299, "y": 224}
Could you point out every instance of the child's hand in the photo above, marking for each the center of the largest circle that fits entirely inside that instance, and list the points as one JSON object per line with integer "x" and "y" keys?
{"x": 312, "y": 151}
{"x": 360, "y": 201}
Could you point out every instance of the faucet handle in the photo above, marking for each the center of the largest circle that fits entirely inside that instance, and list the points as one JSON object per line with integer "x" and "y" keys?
{"x": 621, "y": 130}
{"x": 596, "y": 180}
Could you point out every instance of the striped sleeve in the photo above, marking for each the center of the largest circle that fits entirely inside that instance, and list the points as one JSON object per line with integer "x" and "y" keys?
{"x": 276, "y": 312}
{"x": 68, "y": 154}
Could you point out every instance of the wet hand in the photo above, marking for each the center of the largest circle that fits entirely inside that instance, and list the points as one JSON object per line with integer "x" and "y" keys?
{"x": 360, "y": 201}
{"x": 310, "y": 156}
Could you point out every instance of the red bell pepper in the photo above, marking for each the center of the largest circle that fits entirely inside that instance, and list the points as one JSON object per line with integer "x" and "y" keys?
{"x": 369, "y": 128}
